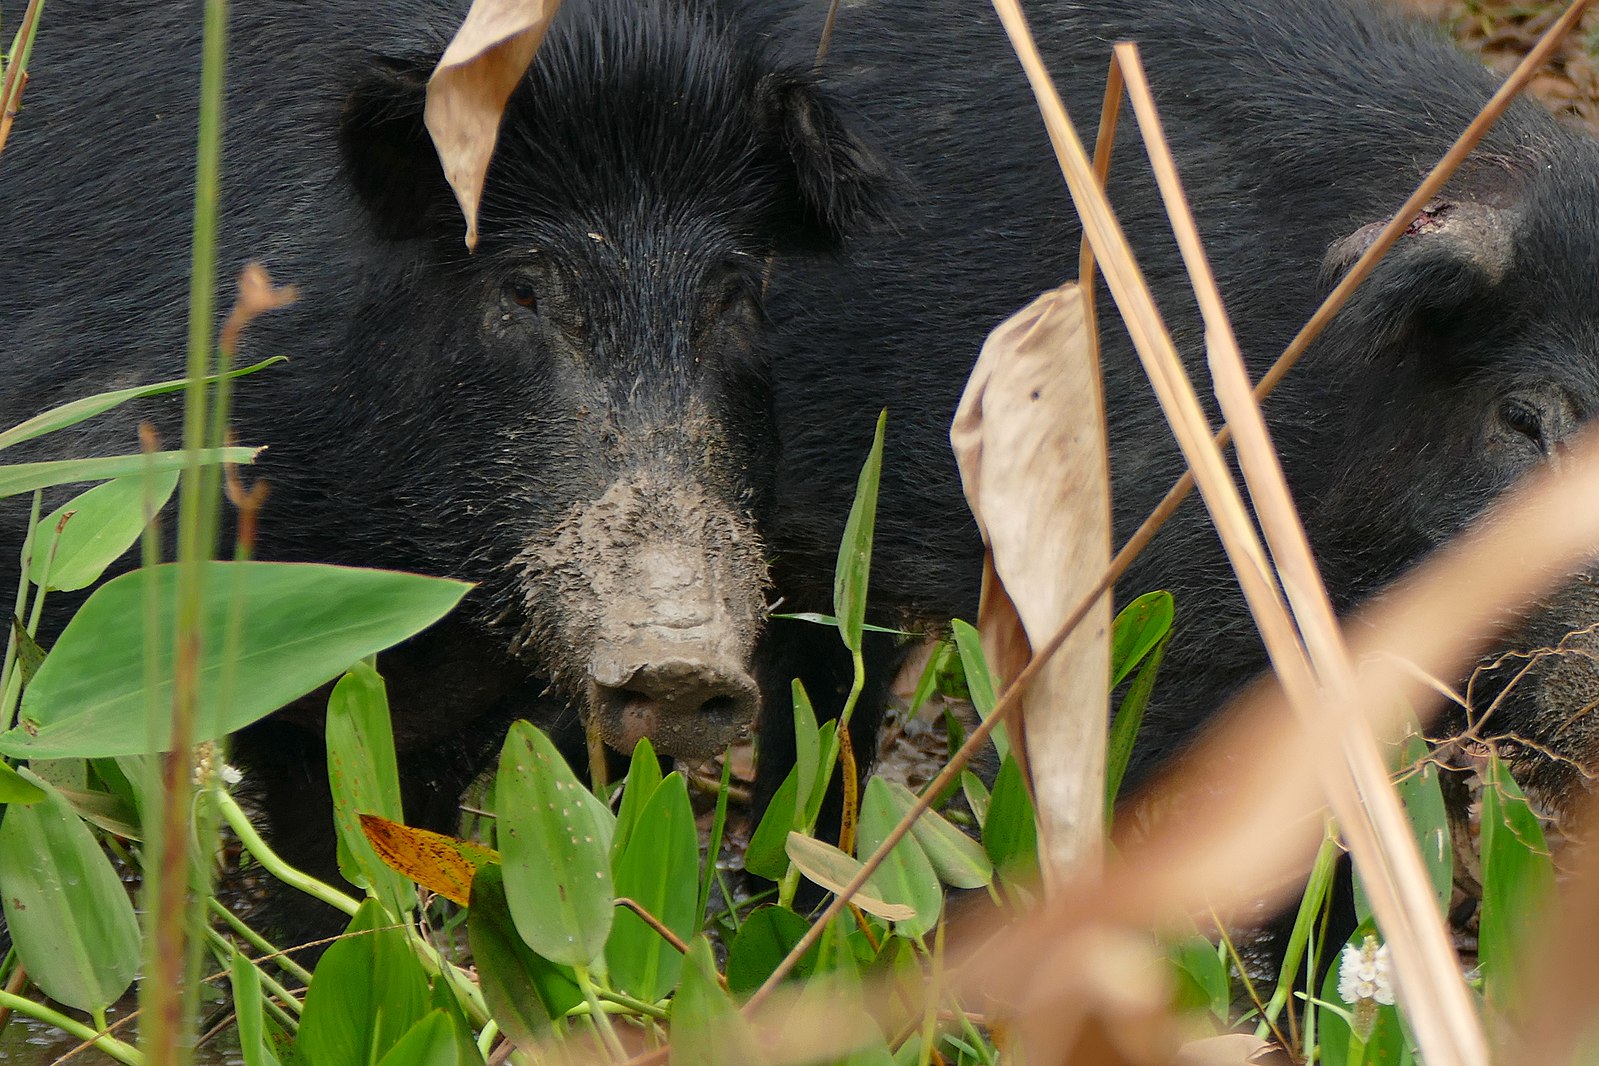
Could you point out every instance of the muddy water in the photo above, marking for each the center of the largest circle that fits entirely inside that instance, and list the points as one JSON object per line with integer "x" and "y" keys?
{"x": 27, "y": 1042}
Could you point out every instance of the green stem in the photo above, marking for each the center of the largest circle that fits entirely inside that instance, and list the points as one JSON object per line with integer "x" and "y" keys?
{"x": 637, "y": 1006}
{"x": 239, "y": 822}
{"x": 1310, "y": 907}
{"x": 597, "y": 1015}
{"x": 101, "y": 1041}
{"x": 10, "y": 677}
{"x": 259, "y": 942}
{"x": 224, "y": 951}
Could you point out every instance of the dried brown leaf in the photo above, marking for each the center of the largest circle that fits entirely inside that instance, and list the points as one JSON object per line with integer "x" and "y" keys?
{"x": 439, "y": 863}
{"x": 1030, "y": 442}
{"x": 467, "y": 93}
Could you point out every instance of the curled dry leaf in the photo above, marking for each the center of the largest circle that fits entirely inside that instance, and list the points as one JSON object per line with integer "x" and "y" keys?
{"x": 1029, "y": 437}
{"x": 469, "y": 88}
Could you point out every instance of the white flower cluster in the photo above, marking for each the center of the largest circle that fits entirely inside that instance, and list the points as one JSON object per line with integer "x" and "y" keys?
{"x": 207, "y": 764}
{"x": 1363, "y": 974}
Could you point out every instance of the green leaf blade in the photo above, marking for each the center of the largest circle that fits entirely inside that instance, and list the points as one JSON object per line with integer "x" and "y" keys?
{"x": 105, "y": 522}
{"x": 70, "y": 917}
{"x": 556, "y": 852}
{"x": 302, "y": 625}
{"x": 853, "y": 572}
{"x": 365, "y": 779}
{"x": 659, "y": 870}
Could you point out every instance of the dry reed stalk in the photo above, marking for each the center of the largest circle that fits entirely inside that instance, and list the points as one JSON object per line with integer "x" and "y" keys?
{"x": 1369, "y": 811}
{"x": 1436, "y": 998}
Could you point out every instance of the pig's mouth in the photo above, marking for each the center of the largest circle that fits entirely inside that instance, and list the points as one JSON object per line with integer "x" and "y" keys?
{"x": 644, "y": 607}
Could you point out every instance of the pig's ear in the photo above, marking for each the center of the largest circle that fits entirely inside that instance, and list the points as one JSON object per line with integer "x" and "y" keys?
{"x": 1452, "y": 254}
{"x": 389, "y": 157}
{"x": 841, "y": 180}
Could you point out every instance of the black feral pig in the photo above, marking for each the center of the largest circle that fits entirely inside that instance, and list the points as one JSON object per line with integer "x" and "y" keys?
{"x": 1298, "y": 126}
{"x": 578, "y": 416}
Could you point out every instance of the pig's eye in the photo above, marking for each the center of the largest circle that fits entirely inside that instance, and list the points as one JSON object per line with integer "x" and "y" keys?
{"x": 520, "y": 291}
{"x": 1524, "y": 419}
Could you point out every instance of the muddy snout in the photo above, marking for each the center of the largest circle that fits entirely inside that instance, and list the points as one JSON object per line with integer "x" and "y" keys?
{"x": 646, "y": 606}
{"x": 669, "y": 661}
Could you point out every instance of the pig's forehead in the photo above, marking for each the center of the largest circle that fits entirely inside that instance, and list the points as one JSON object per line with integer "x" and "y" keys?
{"x": 617, "y": 235}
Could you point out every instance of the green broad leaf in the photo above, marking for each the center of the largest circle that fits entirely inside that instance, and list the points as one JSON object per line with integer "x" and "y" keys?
{"x": 707, "y": 1029}
{"x": 14, "y": 788}
{"x": 1518, "y": 884}
{"x": 61, "y": 774}
{"x": 763, "y": 941}
{"x": 365, "y": 780}
{"x": 30, "y": 656}
{"x": 1138, "y": 628}
{"x": 643, "y": 778}
{"x": 807, "y": 752}
{"x": 1124, "y": 727}
{"x": 556, "y": 852}
{"x": 833, "y": 870}
{"x": 521, "y": 990}
{"x": 1421, "y": 793}
{"x": 979, "y": 682}
{"x": 854, "y": 568}
{"x": 71, "y": 921}
{"x": 18, "y": 478}
{"x": 1010, "y": 834}
{"x": 113, "y": 813}
{"x": 453, "y": 989}
{"x": 976, "y": 794}
{"x": 366, "y": 993}
{"x": 826, "y": 760}
{"x": 906, "y": 876}
{"x": 70, "y": 414}
{"x": 957, "y": 859}
{"x": 836, "y": 993}
{"x": 766, "y": 856}
{"x": 659, "y": 870}
{"x": 1201, "y": 978}
{"x": 436, "y": 1040}
{"x": 301, "y": 626}
{"x": 250, "y": 1009}
{"x": 104, "y": 523}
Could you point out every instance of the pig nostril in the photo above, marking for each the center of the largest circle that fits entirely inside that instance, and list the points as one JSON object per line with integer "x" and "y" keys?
{"x": 720, "y": 707}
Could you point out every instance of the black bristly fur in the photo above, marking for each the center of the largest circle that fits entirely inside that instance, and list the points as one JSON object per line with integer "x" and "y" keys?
{"x": 1298, "y": 126}
{"x": 653, "y": 168}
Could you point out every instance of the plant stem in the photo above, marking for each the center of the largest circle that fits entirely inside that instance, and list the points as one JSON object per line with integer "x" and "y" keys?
{"x": 125, "y": 1053}
{"x": 597, "y": 1016}
{"x": 10, "y": 679}
{"x": 239, "y": 822}
{"x": 259, "y": 942}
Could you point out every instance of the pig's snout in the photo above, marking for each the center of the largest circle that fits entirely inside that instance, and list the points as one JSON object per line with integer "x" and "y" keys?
{"x": 690, "y": 701}
{"x": 646, "y": 606}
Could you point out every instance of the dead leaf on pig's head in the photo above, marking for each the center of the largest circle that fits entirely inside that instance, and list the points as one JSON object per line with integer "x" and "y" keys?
{"x": 469, "y": 88}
